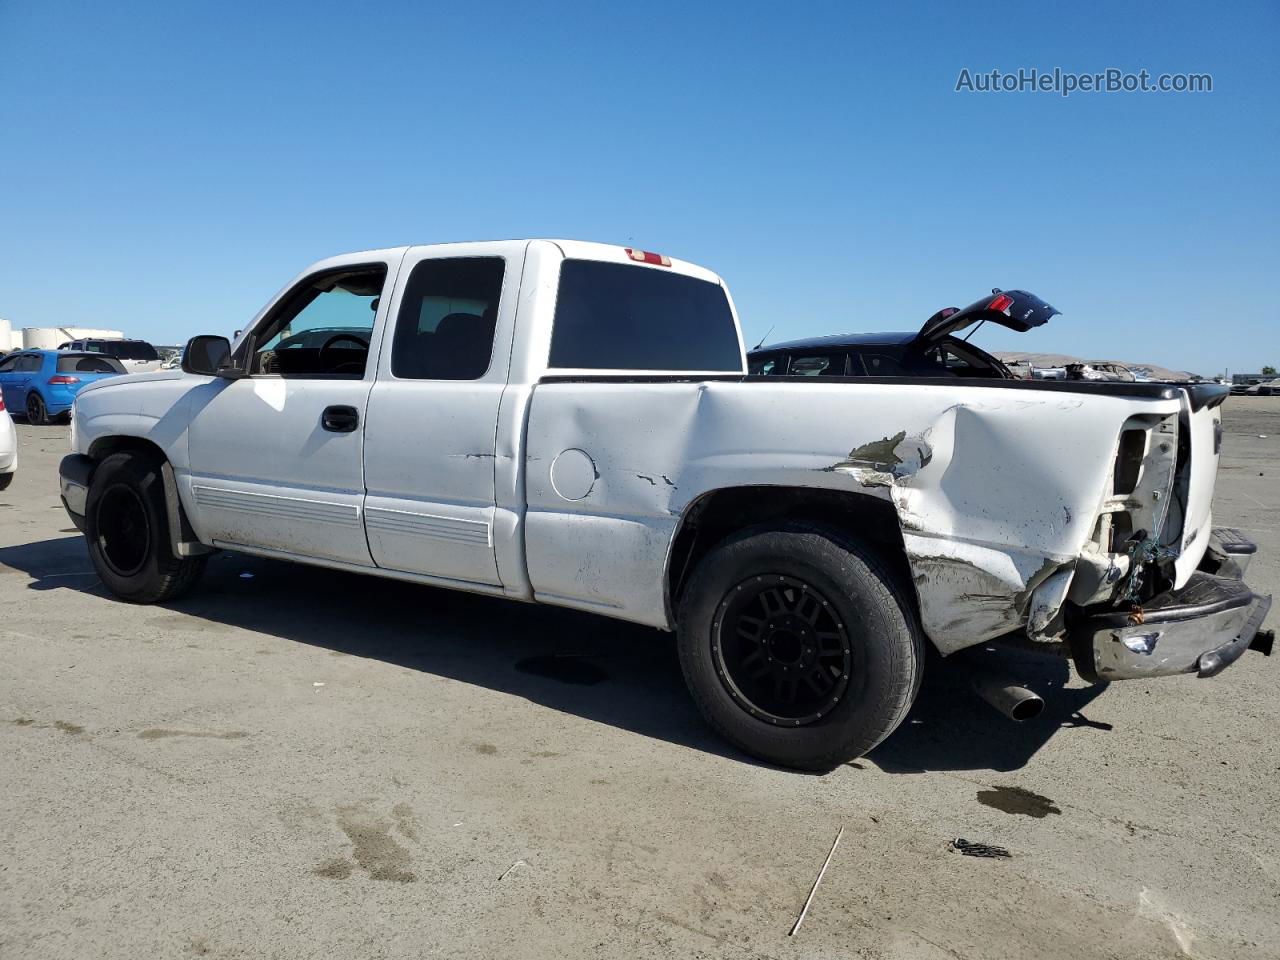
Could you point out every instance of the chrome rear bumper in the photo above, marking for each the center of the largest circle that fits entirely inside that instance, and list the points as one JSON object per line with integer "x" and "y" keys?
{"x": 1202, "y": 628}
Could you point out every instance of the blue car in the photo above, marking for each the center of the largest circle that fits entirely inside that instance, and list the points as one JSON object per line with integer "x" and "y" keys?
{"x": 44, "y": 383}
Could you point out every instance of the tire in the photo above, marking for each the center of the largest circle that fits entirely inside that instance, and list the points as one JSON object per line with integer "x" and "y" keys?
{"x": 36, "y": 414}
{"x": 5, "y": 480}
{"x": 825, "y": 606}
{"x": 127, "y": 531}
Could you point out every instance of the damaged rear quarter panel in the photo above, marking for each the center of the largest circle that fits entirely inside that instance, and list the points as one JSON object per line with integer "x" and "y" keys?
{"x": 995, "y": 489}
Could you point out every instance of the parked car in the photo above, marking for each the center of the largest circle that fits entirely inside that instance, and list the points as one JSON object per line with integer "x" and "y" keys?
{"x": 44, "y": 383}
{"x": 931, "y": 351}
{"x": 572, "y": 424}
{"x": 8, "y": 448}
{"x": 1048, "y": 373}
{"x": 1266, "y": 388}
{"x": 1102, "y": 370}
{"x": 137, "y": 356}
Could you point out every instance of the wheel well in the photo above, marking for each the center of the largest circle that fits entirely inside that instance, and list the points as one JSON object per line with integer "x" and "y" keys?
{"x": 185, "y": 541}
{"x": 716, "y": 515}
{"x": 104, "y": 447}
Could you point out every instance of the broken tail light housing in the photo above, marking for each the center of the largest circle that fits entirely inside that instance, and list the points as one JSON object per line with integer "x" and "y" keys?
{"x": 644, "y": 256}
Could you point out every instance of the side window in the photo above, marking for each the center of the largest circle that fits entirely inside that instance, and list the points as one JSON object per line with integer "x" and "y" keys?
{"x": 773, "y": 366}
{"x": 447, "y": 317}
{"x": 881, "y": 365}
{"x": 9, "y": 364}
{"x": 323, "y": 326}
{"x": 30, "y": 363}
{"x": 817, "y": 365}
{"x": 615, "y": 316}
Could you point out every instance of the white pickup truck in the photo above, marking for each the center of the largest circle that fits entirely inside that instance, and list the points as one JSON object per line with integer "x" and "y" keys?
{"x": 572, "y": 423}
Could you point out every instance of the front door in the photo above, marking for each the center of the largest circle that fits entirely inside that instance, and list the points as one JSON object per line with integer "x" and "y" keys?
{"x": 431, "y": 445}
{"x": 16, "y": 374}
{"x": 276, "y": 458}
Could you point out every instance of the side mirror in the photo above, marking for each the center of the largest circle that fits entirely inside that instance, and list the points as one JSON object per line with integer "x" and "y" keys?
{"x": 206, "y": 355}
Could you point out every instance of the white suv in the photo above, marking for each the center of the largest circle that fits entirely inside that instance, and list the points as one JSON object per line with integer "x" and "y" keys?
{"x": 137, "y": 356}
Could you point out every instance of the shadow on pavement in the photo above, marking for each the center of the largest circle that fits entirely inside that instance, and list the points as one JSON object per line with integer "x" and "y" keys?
{"x": 950, "y": 728}
{"x": 596, "y": 668}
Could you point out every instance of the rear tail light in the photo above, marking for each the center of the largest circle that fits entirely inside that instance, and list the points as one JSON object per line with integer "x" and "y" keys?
{"x": 1, "y": 403}
{"x": 54, "y": 381}
{"x": 1001, "y": 303}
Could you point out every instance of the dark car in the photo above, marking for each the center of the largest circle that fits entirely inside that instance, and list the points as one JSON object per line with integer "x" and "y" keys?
{"x": 931, "y": 351}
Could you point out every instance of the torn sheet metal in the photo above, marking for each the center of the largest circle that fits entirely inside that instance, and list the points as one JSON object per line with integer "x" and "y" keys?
{"x": 997, "y": 491}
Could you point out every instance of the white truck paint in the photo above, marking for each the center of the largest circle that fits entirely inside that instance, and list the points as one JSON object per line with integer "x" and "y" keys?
{"x": 572, "y": 486}
{"x": 8, "y": 448}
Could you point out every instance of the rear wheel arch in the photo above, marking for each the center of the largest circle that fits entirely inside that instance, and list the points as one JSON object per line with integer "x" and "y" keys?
{"x": 719, "y": 514}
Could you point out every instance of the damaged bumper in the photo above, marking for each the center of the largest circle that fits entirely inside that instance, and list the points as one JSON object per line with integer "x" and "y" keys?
{"x": 1202, "y": 628}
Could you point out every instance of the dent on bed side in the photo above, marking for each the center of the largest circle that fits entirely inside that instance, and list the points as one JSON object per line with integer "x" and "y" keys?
{"x": 968, "y": 592}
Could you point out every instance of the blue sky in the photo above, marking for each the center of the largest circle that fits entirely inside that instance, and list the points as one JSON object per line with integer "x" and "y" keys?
{"x": 166, "y": 167}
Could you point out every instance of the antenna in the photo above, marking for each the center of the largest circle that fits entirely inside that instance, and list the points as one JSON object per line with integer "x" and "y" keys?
{"x": 764, "y": 338}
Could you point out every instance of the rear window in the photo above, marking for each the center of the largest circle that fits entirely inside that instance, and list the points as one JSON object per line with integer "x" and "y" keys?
{"x": 613, "y": 316}
{"x": 88, "y": 363}
{"x": 125, "y": 349}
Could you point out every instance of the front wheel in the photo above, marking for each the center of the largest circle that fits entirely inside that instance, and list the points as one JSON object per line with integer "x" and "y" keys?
{"x": 127, "y": 530}
{"x": 36, "y": 414}
{"x": 799, "y": 646}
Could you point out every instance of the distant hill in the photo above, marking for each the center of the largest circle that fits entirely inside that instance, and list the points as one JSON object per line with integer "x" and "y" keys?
{"x": 1061, "y": 360}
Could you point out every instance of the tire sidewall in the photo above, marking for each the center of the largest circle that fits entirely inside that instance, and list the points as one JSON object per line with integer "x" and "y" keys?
{"x": 41, "y": 416}
{"x": 143, "y": 476}
{"x": 884, "y": 636}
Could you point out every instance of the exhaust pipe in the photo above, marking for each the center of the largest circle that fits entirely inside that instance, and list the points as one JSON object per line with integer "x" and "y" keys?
{"x": 1012, "y": 699}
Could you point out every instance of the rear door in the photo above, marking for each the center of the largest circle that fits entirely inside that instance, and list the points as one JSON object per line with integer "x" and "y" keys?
{"x": 430, "y": 448}
{"x": 276, "y": 458}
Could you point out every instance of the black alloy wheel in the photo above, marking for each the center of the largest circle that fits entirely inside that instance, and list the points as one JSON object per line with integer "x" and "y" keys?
{"x": 781, "y": 649}
{"x": 124, "y": 531}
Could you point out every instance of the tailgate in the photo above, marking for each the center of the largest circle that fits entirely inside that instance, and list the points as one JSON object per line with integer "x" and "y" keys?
{"x": 1201, "y": 427}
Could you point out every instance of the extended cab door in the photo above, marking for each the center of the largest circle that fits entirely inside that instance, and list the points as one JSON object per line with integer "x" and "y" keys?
{"x": 430, "y": 443}
{"x": 276, "y": 458}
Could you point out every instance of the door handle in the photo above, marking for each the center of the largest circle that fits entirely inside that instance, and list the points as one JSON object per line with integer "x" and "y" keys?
{"x": 340, "y": 419}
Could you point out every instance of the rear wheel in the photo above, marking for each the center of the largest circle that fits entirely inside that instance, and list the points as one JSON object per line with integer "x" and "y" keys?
{"x": 799, "y": 646}
{"x": 127, "y": 530}
{"x": 5, "y": 480}
{"x": 36, "y": 414}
